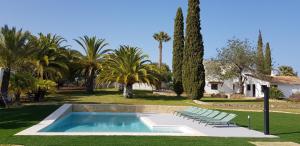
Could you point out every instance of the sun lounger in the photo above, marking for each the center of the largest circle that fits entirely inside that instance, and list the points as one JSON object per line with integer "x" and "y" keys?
{"x": 190, "y": 109}
{"x": 211, "y": 115}
{"x": 218, "y": 117}
{"x": 198, "y": 113}
{"x": 225, "y": 121}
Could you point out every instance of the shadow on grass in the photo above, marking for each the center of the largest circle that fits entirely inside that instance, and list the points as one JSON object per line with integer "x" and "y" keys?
{"x": 228, "y": 100}
{"x": 76, "y": 96}
{"x": 24, "y": 116}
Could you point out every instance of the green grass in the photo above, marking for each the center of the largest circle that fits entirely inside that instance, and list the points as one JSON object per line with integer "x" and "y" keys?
{"x": 14, "y": 120}
{"x": 112, "y": 96}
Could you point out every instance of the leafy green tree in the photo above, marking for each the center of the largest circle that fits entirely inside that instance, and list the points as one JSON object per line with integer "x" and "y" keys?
{"x": 268, "y": 60}
{"x": 235, "y": 59}
{"x": 287, "y": 71}
{"x": 260, "y": 55}
{"x": 161, "y": 37}
{"x": 14, "y": 50}
{"x": 128, "y": 65}
{"x": 92, "y": 60}
{"x": 164, "y": 74}
{"x": 193, "y": 69}
{"x": 178, "y": 47}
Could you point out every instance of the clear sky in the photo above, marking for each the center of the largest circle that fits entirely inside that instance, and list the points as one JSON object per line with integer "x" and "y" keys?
{"x": 133, "y": 22}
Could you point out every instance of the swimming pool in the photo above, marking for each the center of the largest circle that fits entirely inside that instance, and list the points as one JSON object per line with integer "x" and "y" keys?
{"x": 105, "y": 122}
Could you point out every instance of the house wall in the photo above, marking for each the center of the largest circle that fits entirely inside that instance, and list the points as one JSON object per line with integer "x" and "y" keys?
{"x": 288, "y": 90}
{"x": 225, "y": 87}
{"x": 143, "y": 86}
{"x": 258, "y": 87}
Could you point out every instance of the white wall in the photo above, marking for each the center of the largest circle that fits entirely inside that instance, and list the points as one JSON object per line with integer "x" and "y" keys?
{"x": 288, "y": 90}
{"x": 143, "y": 86}
{"x": 225, "y": 87}
{"x": 258, "y": 87}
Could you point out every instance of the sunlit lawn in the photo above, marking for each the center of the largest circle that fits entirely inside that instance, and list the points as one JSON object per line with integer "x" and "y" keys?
{"x": 14, "y": 120}
{"x": 112, "y": 96}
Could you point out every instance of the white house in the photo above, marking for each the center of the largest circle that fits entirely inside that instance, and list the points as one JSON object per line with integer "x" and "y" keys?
{"x": 287, "y": 84}
{"x": 253, "y": 85}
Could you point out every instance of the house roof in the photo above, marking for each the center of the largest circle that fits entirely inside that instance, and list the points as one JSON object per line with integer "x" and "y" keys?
{"x": 278, "y": 79}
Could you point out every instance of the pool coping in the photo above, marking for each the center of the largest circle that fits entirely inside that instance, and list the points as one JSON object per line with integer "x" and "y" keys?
{"x": 67, "y": 108}
{"x": 145, "y": 116}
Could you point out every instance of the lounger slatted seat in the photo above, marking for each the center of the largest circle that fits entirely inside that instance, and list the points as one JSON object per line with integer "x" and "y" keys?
{"x": 190, "y": 109}
{"x": 218, "y": 117}
{"x": 200, "y": 112}
{"x": 211, "y": 115}
{"x": 197, "y": 110}
{"x": 225, "y": 121}
{"x": 204, "y": 113}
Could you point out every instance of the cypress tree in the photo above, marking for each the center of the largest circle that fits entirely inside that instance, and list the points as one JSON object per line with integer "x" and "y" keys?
{"x": 268, "y": 60}
{"x": 193, "y": 69}
{"x": 260, "y": 55}
{"x": 178, "y": 46}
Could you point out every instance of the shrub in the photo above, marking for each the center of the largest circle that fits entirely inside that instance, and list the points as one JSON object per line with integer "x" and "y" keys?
{"x": 275, "y": 93}
{"x": 295, "y": 97}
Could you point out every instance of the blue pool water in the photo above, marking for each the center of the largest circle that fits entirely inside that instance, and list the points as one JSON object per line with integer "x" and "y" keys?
{"x": 103, "y": 122}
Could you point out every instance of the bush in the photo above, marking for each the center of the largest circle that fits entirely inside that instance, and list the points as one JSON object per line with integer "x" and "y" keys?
{"x": 275, "y": 93}
{"x": 295, "y": 97}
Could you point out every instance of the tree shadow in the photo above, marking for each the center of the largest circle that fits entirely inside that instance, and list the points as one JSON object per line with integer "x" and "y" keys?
{"x": 25, "y": 116}
{"x": 231, "y": 101}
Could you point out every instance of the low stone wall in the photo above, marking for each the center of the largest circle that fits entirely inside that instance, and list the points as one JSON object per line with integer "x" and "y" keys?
{"x": 126, "y": 108}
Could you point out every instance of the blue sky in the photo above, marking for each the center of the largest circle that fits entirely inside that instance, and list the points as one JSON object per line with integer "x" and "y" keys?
{"x": 133, "y": 22}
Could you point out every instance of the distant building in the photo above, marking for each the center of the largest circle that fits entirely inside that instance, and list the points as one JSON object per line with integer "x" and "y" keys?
{"x": 253, "y": 85}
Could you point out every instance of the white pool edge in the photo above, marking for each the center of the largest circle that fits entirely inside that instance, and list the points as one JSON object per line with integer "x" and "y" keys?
{"x": 67, "y": 108}
{"x": 34, "y": 130}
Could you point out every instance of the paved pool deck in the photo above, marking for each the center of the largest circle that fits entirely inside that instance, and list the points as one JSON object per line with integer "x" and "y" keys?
{"x": 209, "y": 130}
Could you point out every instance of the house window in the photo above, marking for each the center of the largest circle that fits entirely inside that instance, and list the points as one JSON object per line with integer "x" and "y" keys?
{"x": 248, "y": 87}
{"x": 214, "y": 86}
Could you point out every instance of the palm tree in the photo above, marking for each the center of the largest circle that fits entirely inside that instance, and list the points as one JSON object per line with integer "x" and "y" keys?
{"x": 286, "y": 71}
{"x": 128, "y": 65}
{"x": 21, "y": 83}
{"x": 49, "y": 60}
{"x": 14, "y": 50}
{"x": 161, "y": 37}
{"x": 94, "y": 52}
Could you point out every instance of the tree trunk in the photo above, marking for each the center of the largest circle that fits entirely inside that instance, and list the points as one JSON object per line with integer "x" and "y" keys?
{"x": 128, "y": 92}
{"x": 241, "y": 88}
{"x": 90, "y": 82}
{"x": 160, "y": 54}
{"x": 4, "y": 85}
{"x": 17, "y": 96}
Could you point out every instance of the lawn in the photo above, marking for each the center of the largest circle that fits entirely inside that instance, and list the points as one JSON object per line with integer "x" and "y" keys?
{"x": 112, "y": 96}
{"x": 14, "y": 120}
{"x": 286, "y": 126}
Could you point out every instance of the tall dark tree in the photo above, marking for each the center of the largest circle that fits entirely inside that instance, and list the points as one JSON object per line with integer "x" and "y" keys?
{"x": 178, "y": 46}
{"x": 260, "y": 55}
{"x": 268, "y": 60}
{"x": 193, "y": 68}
